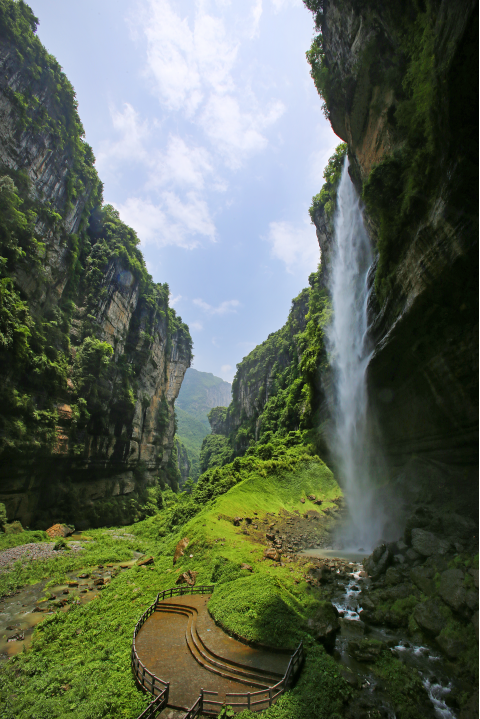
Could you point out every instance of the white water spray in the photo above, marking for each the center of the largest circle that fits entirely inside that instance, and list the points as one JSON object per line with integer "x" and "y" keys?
{"x": 350, "y": 354}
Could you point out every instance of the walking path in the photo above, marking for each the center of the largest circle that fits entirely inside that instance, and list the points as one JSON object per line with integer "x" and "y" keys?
{"x": 181, "y": 644}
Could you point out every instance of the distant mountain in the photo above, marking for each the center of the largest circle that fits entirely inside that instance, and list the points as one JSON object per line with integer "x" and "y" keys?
{"x": 199, "y": 393}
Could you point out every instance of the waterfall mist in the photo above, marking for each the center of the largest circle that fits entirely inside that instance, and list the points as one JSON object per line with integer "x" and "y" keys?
{"x": 350, "y": 353}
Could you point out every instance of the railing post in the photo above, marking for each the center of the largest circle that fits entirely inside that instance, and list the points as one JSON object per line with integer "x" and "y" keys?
{"x": 270, "y": 692}
{"x": 248, "y": 700}
{"x": 201, "y": 700}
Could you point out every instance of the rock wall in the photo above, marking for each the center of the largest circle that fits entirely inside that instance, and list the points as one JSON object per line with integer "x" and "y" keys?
{"x": 82, "y": 288}
{"x": 423, "y": 376}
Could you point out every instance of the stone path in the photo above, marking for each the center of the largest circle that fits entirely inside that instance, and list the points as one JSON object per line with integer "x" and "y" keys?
{"x": 181, "y": 644}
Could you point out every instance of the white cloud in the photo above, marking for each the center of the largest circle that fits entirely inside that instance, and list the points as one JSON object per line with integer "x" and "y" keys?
{"x": 197, "y": 326}
{"x": 235, "y": 132}
{"x": 256, "y": 15}
{"x": 192, "y": 64}
{"x": 130, "y": 145}
{"x": 171, "y": 222}
{"x": 297, "y": 247}
{"x": 180, "y": 165}
{"x": 172, "y": 301}
{"x": 283, "y": 4}
{"x": 222, "y": 309}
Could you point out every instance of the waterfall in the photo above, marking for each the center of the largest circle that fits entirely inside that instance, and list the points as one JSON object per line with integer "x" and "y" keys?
{"x": 350, "y": 353}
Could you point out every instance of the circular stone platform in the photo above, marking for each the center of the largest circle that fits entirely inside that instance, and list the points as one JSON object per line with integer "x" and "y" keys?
{"x": 181, "y": 644}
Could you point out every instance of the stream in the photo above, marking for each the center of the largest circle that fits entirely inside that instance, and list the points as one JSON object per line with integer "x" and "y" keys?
{"x": 425, "y": 659}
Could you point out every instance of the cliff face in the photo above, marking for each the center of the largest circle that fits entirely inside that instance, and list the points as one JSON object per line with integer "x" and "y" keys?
{"x": 91, "y": 355}
{"x": 400, "y": 87}
{"x": 276, "y": 387}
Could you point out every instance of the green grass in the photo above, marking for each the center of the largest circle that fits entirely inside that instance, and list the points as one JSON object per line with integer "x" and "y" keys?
{"x": 86, "y": 648}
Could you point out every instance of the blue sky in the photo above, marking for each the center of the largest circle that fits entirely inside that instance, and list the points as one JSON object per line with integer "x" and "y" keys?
{"x": 210, "y": 141}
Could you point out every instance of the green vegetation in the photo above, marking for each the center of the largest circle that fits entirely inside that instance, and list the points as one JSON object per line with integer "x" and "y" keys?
{"x": 432, "y": 121}
{"x": 192, "y": 410}
{"x": 86, "y": 648}
{"x": 54, "y": 350}
{"x": 281, "y": 377}
{"x": 327, "y": 196}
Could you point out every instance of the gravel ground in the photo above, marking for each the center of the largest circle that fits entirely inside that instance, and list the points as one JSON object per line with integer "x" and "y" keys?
{"x": 29, "y": 552}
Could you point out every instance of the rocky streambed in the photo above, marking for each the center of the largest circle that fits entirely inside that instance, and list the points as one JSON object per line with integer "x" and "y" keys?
{"x": 402, "y": 622}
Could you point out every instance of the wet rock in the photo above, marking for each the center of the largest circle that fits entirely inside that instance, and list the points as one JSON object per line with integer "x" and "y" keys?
{"x": 72, "y": 584}
{"x": 418, "y": 520}
{"x": 367, "y": 650}
{"x": 248, "y": 520}
{"x": 427, "y": 543}
{"x": 325, "y": 624}
{"x": 272, "y": 553}
{"x": 393, "y": 576}
{"x": 180, "y": 549}
{"x": 83, "y": 576}
{"x": 471, "y": 600}
{"x": 59, "y": 530}
{"x": 144, "y": 561}
{"x": 475, "y": 623}
{"x": 412, "y": 556}
{"x": 99, "y": 582}
{"x": 429, "y": 616}
{"x": 248, "y": 567}
{"x": 422, "y": 577}
{"x": 378, "y": 562}
{"x": 474, "y": 574}
{"x": 451, "y": 645}
{"x": 189, "y": 577}
{"x": 401, "y": 546}
{"x": 451, "y": 588}
{"x": 349, "y": 677}
{"x": 351, "y": 627}
{"x": 270, "y": 536}
{"x": 237, "y": 521}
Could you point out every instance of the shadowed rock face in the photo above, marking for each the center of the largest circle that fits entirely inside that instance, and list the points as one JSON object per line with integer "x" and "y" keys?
{"x": 423, "y": 376}
{"x": 128, "y": 449}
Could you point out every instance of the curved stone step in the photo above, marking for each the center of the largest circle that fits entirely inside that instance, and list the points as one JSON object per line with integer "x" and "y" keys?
{"x": 212, "y": 662}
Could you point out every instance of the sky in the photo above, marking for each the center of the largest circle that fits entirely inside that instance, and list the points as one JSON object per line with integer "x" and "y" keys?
{"x": 210, "y": 140}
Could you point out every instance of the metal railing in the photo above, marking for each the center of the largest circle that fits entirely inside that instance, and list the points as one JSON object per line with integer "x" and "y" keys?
{"x": 149, "y": 682}
{"x": 255, "y": 701}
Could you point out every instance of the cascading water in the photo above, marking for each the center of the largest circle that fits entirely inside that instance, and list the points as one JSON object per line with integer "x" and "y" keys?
{"x": 350, "y": 354}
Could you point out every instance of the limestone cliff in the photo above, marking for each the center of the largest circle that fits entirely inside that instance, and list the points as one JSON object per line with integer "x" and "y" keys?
{"x": 92, "y": 357}
{"x": 276, "y": 387}
{"x": 399, "y": 82}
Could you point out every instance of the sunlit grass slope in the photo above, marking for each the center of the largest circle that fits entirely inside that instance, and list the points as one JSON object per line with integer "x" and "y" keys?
{"x": 78, "y": 665}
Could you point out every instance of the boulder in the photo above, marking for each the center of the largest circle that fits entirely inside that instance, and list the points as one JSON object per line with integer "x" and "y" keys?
{"x": 427, "y": 543}
{"x": 272, "y": 553}
{"x": 180, "y": 549}
{"x": 270, "y": 536}
{"x": 471, "y": 599}
{"x": 378, "y": 562}
{"x": 366, "y": 650}
{"x": 429, "y": 616}
{"x": 325, "y": 624}
{"x": 451, "y": 645}
{"x": 351, "y": 627}
{"x": 312, "y": 497}
{"x": 422, "y": 577}
{"x": 237, "y": 520}
{"x": 451, "y": 588}
{"x": 187, "y": 577}
{"x": 144, "y": 561}
{"x": 412, "y": 556}
{"x": 13, "y": 528}
{"x": 474, "y": 574}
{"x": 248, "y": 567}
{"x": 393, "y": 576}
{"x": 475, "y": 623}
{"x": 419, "y": 519}
{"x": 302, "y": 499}
{"x": 59, "y": 530}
